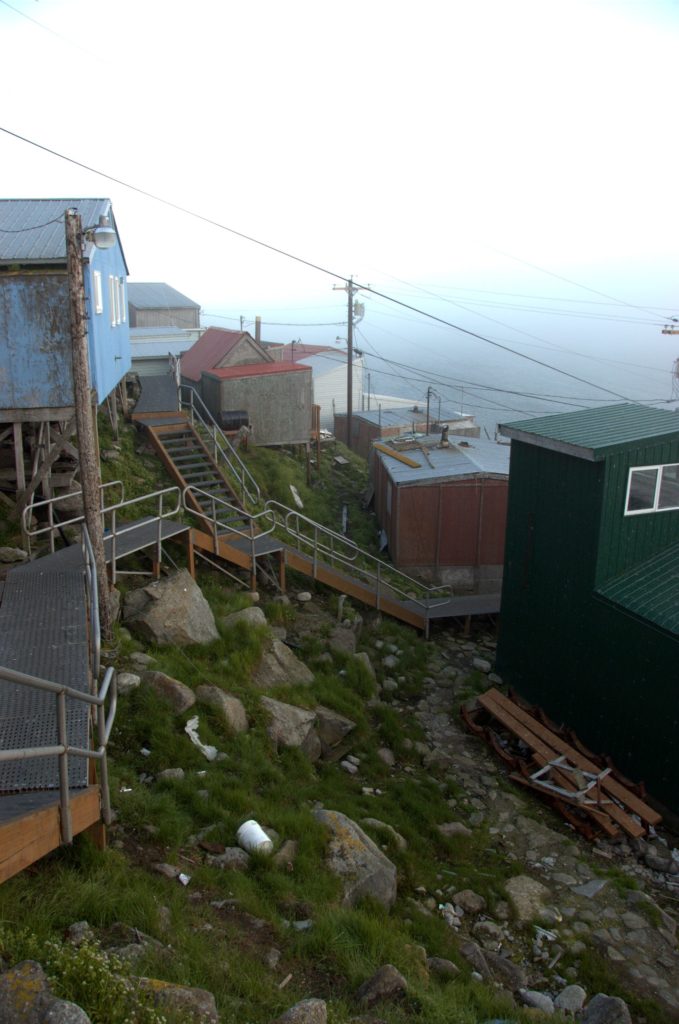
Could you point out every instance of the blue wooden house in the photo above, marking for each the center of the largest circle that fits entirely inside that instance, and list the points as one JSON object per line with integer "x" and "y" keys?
{"x": 36, "y": 385}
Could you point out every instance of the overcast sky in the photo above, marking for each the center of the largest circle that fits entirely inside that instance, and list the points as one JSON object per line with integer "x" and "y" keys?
{"x": 459, "y": 147}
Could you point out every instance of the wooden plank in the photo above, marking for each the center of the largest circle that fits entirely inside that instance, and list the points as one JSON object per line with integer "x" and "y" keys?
{"x": 29, "y": 838}
{"x": 544, "y": 753}
{"x": 386, "y": 450}
{"x": 615, "y": 788}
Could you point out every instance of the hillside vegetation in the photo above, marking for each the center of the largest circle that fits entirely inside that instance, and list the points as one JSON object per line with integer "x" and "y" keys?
{"x": 262, "y": 938}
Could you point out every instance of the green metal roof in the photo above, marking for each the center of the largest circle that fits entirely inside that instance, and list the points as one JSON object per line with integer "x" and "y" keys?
{"x": 650, "y": 590}
{"x": 594, "y": 434}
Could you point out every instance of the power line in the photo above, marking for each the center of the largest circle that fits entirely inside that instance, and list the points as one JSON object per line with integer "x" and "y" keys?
{"x": 315, "y": 266}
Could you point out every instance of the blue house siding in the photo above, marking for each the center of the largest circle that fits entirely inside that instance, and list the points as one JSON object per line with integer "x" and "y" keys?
{"x": 35, "y": 345}
{"x": 110, "y": 351}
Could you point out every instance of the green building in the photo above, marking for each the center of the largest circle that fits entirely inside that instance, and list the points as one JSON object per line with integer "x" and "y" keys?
{"x": 590, "y": 599}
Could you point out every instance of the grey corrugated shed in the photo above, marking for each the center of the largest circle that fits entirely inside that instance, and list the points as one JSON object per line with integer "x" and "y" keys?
{"x": 476, "y": 457}
{"x": 650, "y": 590}
{"x": 594, "y": 434}
{"x": 32, "y": 230}
{"x": 157, "y": 295}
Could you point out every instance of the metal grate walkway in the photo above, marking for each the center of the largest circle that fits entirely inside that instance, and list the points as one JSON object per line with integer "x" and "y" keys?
{"x": 44, "y": 633}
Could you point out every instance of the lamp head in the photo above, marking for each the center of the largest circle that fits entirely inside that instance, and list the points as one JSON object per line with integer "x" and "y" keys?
{"x": 103, "y": 234}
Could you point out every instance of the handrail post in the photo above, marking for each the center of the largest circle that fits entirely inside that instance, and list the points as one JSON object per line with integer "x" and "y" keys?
{"x": 103, "y": 773}
{"x": 214, "y": 526}
{"x": 64, "y": 803}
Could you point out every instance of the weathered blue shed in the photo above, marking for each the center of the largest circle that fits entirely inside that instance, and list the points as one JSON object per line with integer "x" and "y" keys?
{"x": 36, "y": 379}
{"x": 35, "y": 338}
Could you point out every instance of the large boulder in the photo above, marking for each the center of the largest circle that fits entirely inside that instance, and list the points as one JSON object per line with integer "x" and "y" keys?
{"x": 174, "y": 692}
{"x": 606, "y": 1010}
{"x": 308, "y": 1011}
{"x": 357, "y": 861}
{"x": 332, "y": 728}
{"x": 229, "y": 709}
{"x": 171, "y": 612}
{"x": 26, "y": 998}
{"x": 187, "y": 1004}
{"x": 290, "y": 726}
{"x": 250, "y": 616}
{"x": 278, "y": 666}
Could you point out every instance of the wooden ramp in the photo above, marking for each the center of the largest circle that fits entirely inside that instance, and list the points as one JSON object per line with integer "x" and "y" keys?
{"x": 581, "y": 789}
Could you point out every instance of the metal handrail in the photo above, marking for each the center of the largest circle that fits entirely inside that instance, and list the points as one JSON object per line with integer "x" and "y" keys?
{"x": 111, "y": 510}
{"x": 379, "y": 568}
{"x": 63, "y": 750}
{"x": 49, "y": 503}
{"x": 215, "y": 525}
{"x": 221, "y": 444}
{"x": 92, "y": 589}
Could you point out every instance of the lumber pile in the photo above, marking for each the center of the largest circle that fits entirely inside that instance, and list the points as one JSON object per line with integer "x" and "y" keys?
{"x": 587, "y": 791}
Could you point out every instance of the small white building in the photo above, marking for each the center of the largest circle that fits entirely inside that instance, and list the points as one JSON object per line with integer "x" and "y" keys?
{"x": 329, "y": 373}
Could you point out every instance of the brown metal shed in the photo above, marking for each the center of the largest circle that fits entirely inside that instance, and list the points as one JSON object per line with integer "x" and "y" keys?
{"x": 444, "y": 517}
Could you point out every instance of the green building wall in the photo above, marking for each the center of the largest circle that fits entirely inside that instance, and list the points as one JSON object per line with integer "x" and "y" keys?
{"x": 612, "y": 677}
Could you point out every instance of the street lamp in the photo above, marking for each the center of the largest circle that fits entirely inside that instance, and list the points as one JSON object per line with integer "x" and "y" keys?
{"x": 104, "y": 237}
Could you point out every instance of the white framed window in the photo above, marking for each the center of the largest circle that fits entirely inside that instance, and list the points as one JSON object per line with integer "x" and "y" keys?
{"x": 112, "y": 292}
{"x": 652, "y": 489}
{"x": 122, "y": 300}
{"x": 98, "y": 294}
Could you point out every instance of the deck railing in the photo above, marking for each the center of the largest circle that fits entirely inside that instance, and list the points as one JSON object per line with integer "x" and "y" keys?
{"x": 63, "y": 750}
{"x": 253, "y": 530}
{"x": 204, "y": 422}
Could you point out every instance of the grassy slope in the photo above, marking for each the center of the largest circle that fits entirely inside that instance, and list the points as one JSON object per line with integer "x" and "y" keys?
{"x": 216, "y": 947}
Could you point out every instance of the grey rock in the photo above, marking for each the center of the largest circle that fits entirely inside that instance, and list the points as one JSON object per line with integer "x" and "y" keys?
{"x": 481, "y": 665}
{"x": 357, "y": 861}
{"x": 364, "y": 658}
{"x": 590, "y": 889}
{"x": 285, "y": 858}
{"x": 308, "y": 1011}
{"x": 386, "y": 756}
{"x": 304, "y": 597}
{"x": 488, "y": 931}
{"x": 475, "y": 957}
{"x": 126, "y": 682}
{"x": 171, "y": 774}
{"x": 442, "y": 968}
{"x": 230, "y": 709}
{"x": 332, "y": 728}
{"x": 386, "y": 984}
{"x": 233, "y": 859}
{"x": 25, "y": 994}
{"x": 604, "y": 1009}
{"x": 527, "y": 897}
{"x": 342, "y": 640}
{"x": 194, "y": 1005}
{"x": 349, "y": 768}
{"x": 571, "y": 999}
{"x": 9, "y": 555}
{"x": 538, "y": 1000}
{"x": 382, "y": 826}
{"x": 250, "y": 616}
{"x": 633, "y": 921}
{"x": 450, "y": 829}
{"x": 290, "y": 726}
{"x": 166, "y": 870}
{"x": 171, "y": 611}
{"x": 391, "y": 661}
{"x": 278, "y": 666}
{"x": 79, "y": 932}
{"x": 271, "y": 958}
{"x": 176, "y": 693}
{"x": 141, "y": 660}
{"x": 470, "y": 901}
{"x": 62, "y": 1012}
{"x": 509, "y": 974}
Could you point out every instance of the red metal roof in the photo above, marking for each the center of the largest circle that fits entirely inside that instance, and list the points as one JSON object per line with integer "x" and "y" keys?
{"x": 256, "y": 370}
{"x": 212, "y": 346}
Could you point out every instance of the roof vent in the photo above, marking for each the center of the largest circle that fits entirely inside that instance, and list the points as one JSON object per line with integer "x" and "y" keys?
{"x": 444, "y": 442}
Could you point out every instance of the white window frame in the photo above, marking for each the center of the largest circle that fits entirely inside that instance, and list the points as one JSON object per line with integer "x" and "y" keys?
{"x": 656, "y": 496}
{"x": 112, "y": 290}
{"x": 121, "y": 299}
{"x": 97, "y": 292}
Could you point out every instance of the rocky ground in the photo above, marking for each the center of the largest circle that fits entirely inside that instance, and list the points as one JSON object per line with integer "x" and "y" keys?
{"x": 635, "y": 930}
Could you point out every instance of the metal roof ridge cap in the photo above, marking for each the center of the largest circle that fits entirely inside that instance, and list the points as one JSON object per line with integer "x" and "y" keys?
{"x": 540, "y": 441}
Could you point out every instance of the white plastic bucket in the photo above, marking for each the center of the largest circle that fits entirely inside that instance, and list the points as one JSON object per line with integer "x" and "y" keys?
{"x": 253, "y": 838}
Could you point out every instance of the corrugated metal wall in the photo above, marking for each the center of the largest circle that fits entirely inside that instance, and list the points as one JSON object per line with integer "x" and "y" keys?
{"x": 608, "y": 675}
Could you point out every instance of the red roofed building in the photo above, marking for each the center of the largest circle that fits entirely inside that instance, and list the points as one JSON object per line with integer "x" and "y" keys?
{"x": 277, "y": 398}
{"x": 217, "y": 348}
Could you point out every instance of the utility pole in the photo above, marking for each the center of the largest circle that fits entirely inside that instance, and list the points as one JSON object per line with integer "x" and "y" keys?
{"x": 430, "y": 392}
{"x": 90, "y": 478}
{"x": 350, "y": 288}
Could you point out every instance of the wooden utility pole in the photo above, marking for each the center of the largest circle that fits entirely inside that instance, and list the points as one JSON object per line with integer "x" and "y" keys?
{"x": 350, "y": 288}
{"x": 90, "y": 479}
